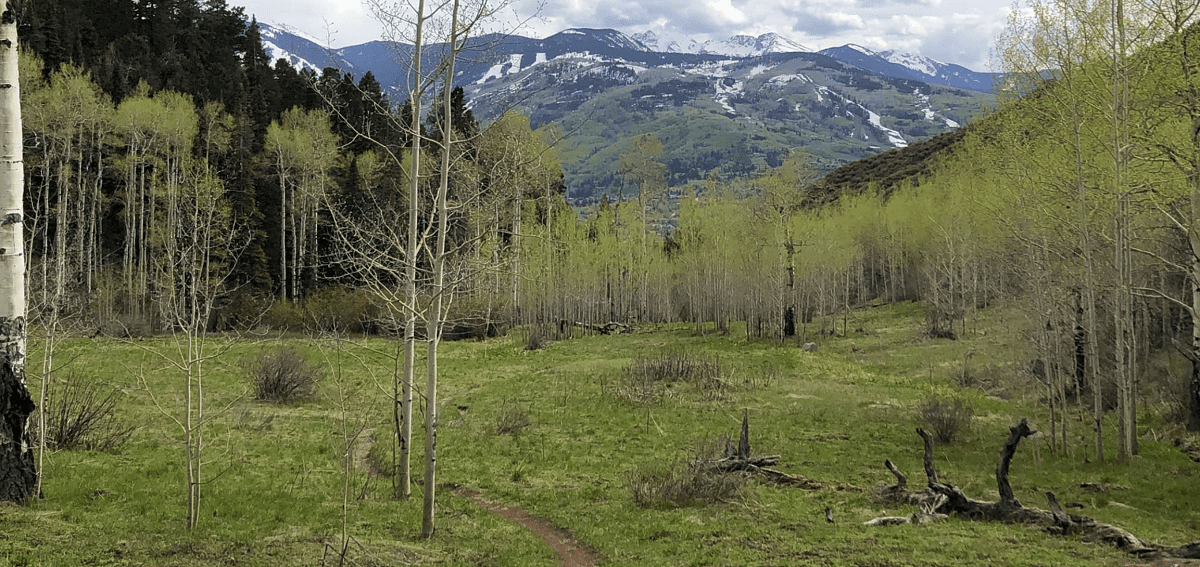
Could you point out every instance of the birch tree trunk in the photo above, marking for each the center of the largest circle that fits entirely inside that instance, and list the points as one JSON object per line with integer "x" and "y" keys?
{"x": 18, "y": 474}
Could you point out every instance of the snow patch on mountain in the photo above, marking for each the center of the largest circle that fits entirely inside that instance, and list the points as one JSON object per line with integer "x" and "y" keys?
{"x": 711, "y": 68}
{"x": 514, "y": 62}
{"x": 895, "y": 138}
{"x": 727, "y": 87}
{"x": 737, "y": 46}
{"x": 613, "y": 38}
{"x": 931, "y": 115}
{"x": 271, "y": 39}
{"x": 861, "y": 49}
{"x": 275, "y": 53}
{"x": 758, "y": 70}
{"x": 270, "y": 29}
{"x": 918, "y": 63}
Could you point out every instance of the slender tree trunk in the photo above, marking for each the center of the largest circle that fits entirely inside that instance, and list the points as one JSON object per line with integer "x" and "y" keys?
{"x": 404, "y": 488}
{"x": 515, "y": 308}
{"x": 18, "y": 474}
{"x": 283, "y": 273}
{"x": 1193, "y": 389}
{"x": 435, "y": 316}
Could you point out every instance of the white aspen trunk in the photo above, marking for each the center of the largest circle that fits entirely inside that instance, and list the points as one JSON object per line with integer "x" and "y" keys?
{"x": 404, "y": 486}
{"x": 434, "y": 319}
{"x": 283, "y": 273}
{"x": 1193, "y": 389}
{"x": 515, "y": 308}
{"x": 295, "y": 214}
{"x": 1123, "y": 293}
{"x": 18, "y": 473}
{"x": 1089, "y": 284}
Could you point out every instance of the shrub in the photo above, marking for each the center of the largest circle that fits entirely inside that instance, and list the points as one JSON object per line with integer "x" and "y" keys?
{"x": 335, "y": 308}
{"x": 945, "y": 417}
{"x": 537, "y": 338}
{"x": 244, "y": 311}
{"x": 379, "y": 458}
{"x": 511, "y": 421}
{"x": 284, "y": 315}
{"x": 703, "y": 371}
{"x": 127, "y": 326}
{"x": 939, "y": 321}
{"x": 283, "y": 376}
{"x": 640, "y": 390}
{"x": 82, "y": 415}
{"x": 646, "y": 378}
{"x": 686, "y": 483}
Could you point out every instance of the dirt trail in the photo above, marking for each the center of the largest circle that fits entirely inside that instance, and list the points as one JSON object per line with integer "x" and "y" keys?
{"x": 571, "y": 552}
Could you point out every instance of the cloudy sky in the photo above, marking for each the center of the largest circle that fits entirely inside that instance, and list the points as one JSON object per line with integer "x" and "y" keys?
{"x": 953, "y": 31}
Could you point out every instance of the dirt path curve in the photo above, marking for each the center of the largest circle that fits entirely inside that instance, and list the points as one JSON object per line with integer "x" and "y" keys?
{"x": 571, "y": 552}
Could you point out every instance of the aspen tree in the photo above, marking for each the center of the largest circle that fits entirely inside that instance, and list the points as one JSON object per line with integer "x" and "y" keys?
{"x": 17, "y": 468}
{"x": 1051, "y": 39}
{"x": 1174, "y": 137}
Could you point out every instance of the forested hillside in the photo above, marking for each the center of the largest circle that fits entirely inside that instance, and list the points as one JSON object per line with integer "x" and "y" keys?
{"x": 135, "y": 111}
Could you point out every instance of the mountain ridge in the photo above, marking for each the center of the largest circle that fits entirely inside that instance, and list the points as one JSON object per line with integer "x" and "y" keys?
{"x": 716, "y": 114}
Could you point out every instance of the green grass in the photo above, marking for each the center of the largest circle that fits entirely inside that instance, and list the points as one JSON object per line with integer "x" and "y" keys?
{"x": 835, "y": 415}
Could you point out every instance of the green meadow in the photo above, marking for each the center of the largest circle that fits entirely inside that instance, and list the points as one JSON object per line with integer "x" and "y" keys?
{"x": 563, "y": 432}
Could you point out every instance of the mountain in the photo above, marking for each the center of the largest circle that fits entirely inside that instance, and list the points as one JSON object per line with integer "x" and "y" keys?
{"x": 716, "y": 113}
{"x": 301, "y": 51}
{"x": 908, "y": 66}
{"x": 736, "y": 46}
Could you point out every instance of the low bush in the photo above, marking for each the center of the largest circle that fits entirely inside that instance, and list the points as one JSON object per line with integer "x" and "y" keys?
{"x": 945, "y": 417}
{"x": 379, "y": 457}
{"x": 685, "y": 483}
{"x": 243, "y": 311}
{"x": 338, "y": 309}
{"x": 284, "y": 315}
{"x": 282, "y": 376}
{"x": 537, "y": 339}
{"x": 676, "y": 366}
{"x": 512, "y": 420}
{"x": 81, "y": 414}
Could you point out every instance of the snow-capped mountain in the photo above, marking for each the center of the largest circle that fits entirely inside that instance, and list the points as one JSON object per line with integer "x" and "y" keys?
{"x": 299, "y": 50}
{"x": 909, "y": 66}
{"x": 736, "y": 46}
{"x": 735, "y": 106}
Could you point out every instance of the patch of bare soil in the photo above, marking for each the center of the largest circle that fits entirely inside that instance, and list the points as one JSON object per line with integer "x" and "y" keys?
{"x": 570, "y": 551}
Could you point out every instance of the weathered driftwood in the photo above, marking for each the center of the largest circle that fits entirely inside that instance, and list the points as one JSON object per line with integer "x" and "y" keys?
{"x": 609, "y": 328}
{"x": 945, "y": 499}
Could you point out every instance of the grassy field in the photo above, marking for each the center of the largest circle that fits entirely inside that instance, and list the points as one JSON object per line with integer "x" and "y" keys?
{"x": 275, "y": 473}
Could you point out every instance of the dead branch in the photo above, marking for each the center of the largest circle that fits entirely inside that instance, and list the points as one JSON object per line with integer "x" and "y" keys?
{"x": 930, "y": 469}
{"x": 1015, "y": 434}
{"x": 939, "y": 499}
{"x": 739, "y": 460}
{"x": 901, "y": 480}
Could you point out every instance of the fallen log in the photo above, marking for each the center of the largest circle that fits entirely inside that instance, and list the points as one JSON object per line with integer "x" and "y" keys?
{"x": 943, "y": 498}
{"x": 609, "y": 328}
